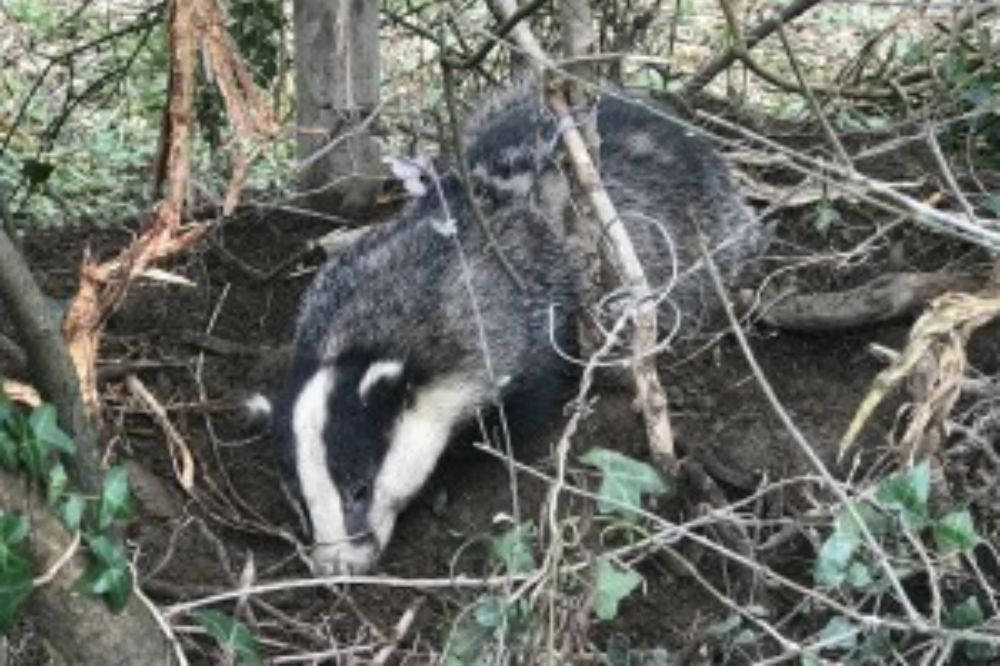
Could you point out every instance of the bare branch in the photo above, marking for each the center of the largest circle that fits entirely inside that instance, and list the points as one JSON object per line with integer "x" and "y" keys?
{"x": 760, "y": 32}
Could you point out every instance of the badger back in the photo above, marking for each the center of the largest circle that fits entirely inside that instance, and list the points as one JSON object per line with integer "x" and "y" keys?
{"x": 668, "y": 184}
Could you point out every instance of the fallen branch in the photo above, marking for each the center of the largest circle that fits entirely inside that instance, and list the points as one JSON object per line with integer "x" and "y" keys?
{"x": 885, "y": 298}
{"x": 180, "y": 454}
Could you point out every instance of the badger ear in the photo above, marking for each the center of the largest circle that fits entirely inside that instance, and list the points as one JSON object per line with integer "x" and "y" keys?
{"x": 258, "y": 408}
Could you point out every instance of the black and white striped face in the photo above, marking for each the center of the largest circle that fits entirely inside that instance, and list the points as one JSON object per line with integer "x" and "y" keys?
{"x": 361, "y": 437}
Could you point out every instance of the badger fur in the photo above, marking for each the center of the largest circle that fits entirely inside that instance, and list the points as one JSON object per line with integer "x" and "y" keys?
{"x": 407, "y": 339}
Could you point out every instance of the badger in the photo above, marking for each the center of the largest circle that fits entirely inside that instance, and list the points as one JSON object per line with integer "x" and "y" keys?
{"x": 437, "y": 327}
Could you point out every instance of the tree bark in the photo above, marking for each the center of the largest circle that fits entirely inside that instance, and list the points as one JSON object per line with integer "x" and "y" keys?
{"x": 337, "y": 87}
{"x": 49, "y": 362}
{"x": 81, "y": 629}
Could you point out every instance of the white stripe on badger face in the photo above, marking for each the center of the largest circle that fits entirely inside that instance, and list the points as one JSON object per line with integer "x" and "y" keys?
{"x": 333, "y": 552}
{"x": 417, "y": 442}
{"x": 378, "y": 371}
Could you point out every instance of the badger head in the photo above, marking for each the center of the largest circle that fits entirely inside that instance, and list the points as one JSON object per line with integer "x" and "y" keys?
{"x": 359, "y": 436}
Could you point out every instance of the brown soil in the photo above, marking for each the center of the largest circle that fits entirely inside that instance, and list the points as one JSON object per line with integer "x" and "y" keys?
{"x": 202, "y": 349}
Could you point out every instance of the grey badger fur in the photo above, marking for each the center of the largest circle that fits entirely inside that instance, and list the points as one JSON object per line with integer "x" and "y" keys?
{"x": 389, "y": 365}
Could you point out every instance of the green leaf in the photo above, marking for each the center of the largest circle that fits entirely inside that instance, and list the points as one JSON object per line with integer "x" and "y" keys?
{"x": 834, "y": 558}
{"x": 55, "y": 484}
{"x": 859, "y": 576}
{"x": 826, "y": 217}
{"x": 231, "y": 635}
{"x": 907, "y": 492}
{"x": 33, "y": 454}
{"x": 490, "y": 612}
{"x": 955, "y": 533}
{"x": 841, "y": 634}
{"x": 613, "y": 585}
{"x": 878, "y": 523}
{"x": 515, "y": 548}
{"x": 15, "y": 587}
{"x": 70, "y": 511}
{"x": 116, "y": 503}
{"x": 6, "y": 408}
{"x": 13, "y": 529}
{"x": 46, "y": 428}
{"x": 968, "y": 615}
{"x": 965, "y": 615}
{"x": 108, "y": 574}
{"x": 8, "y": 450}
{"x": 623, "y": 481}
{"x": 992, "y": 204}
{"x": 468, "y": 642}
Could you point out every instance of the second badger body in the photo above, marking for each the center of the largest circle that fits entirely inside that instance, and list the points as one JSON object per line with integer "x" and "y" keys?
{"x": 406, "y": 338}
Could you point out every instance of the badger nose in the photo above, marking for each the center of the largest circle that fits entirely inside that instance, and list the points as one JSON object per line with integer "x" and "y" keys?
{"x": 359, "y": 493}
{"x": 357, "y": 502}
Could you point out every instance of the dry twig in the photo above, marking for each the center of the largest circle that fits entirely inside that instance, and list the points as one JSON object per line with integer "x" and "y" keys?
{"x": 180, "y": 454}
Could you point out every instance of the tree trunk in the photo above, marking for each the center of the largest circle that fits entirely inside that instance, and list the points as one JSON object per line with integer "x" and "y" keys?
{"x": 337, "y": 88}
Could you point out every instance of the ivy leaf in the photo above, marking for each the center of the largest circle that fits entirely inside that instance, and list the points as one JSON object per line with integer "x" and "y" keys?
{"x": 469, "y": 638}
{"x": 55, "y": 484}
{"x": 840, "y": 634}
{"x": 826, "y": 217}
{"x": 231, "y": 635}
{"x": 13, "y": 530}
{"x": 70, "y": 511}
{"x": 613, "y": 585}
{"x": 876, "y": 648}
{"x": 834, "y": 558}
{"x": 859, "y": 576}
{"x": 955, "y": 533}
{"x": 623, "y": 481}
{"x": 108, "y": 574}
{"x": 968, "y": 615}
{"x": 907, "y": 492}
{"x": 515, "y": 549}
{"x": 6, "y": 408}
{"x": 15, "y": 587}
{"x": 8, "y": 450}
{"x": 33, "y": 454}
{"x": 116, "y": 502}
{"x": 46, "y": 428}
{"x": 490, "y": 612}
{"x": 965, "y": 615}
{"x": 992, "y": 204}
{"x": 876, "y": 521}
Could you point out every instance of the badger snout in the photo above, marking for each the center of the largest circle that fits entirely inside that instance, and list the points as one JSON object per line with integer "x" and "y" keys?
{"x": 357, "y": 556}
